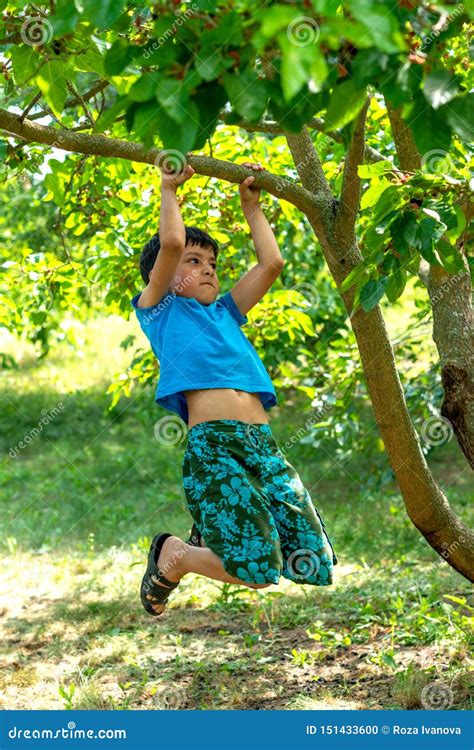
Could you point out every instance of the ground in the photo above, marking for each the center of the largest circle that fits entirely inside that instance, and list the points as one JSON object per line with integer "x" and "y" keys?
{"x": 79, "y": 506}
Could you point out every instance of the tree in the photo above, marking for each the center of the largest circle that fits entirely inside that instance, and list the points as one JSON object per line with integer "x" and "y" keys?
{"x": 160, "y": 79}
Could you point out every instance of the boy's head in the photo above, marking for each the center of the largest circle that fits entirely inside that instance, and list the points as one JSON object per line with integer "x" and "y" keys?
{"x": 195, "y": 274}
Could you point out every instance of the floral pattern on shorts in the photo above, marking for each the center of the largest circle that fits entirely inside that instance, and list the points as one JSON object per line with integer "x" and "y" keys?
{"x": 251, "y": 507}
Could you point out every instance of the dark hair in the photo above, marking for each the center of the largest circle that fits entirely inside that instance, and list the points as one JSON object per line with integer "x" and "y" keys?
{"x": 150, "y": 251}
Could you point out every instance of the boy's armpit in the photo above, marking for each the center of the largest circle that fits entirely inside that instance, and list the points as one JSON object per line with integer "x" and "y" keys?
{"x": 228, "y": 302}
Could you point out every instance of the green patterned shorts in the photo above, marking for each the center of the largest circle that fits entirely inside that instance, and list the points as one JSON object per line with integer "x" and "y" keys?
{"x": 251, "y": 507}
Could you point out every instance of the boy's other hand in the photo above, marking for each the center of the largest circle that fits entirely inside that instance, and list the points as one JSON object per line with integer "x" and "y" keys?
{"x": 249, "y": 196}
{"x": 175, "y": 172}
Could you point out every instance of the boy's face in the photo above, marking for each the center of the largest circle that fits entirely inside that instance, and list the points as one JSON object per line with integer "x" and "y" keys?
{"x": 196, "y": 275}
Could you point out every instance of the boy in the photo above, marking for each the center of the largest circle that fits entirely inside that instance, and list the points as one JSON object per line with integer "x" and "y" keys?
{"x": 253, "y": 518}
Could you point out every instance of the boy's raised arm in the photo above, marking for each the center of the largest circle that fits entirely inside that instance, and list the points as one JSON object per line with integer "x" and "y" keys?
{"x": 172, "y": 238}
{"x": 252, "y": 287}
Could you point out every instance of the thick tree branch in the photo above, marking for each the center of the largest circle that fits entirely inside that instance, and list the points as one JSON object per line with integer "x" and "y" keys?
{"x": 350, "y": 192}
{"x": 100, "y": 145}
{"x": 407, "y": 152}
{"x": 309, "y": 168}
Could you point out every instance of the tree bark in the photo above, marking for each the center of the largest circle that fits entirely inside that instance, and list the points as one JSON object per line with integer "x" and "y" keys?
{"x": 453, "y": 334}
{"x": 427, "y": 507}
{"x": 451, "y": 302}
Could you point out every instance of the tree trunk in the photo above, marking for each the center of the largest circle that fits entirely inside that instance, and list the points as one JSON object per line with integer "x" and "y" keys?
{"x": 454, "y": 337}
{"x": 426, "y": 505}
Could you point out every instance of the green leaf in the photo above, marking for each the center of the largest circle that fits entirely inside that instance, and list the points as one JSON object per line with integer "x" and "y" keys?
{"x": 144, "y": 88}
{"x": 299, "y": 65}
{"x": 173, "y": 96}
{"x": 294, "y": 71}
{"x": 209, "y": 99}
{"x": 247, "y": 94}
{"x": 430, "y": 130}
{"x": 276, "y": 18}
{"x": 52, "y": 83}
{"x": 380, "y": 23}
{"x": 427, "y": 232}
{"x": 374, "y": 170}
{"x": 459, "y": 113}
{"x": 102, "y": 13}
{"x": 179, "y": 136}
{"x": 345, "y": 104}
{"x": 450, "y": 256}
{"x": 90, "y": 61}
{"x": 55, "y": 188}
{"x": 109, "y": 116}
{"x": 65, "y": 18}
{"x": 405, "y": 222}
{"x": 396, "y": 282}
{"x": 372, "y": 292}
{"x": 373, "y": 193}
{"x": 440, "y": 87}
{"x": 210, "y": 67}
{"x": 117, "y": 57}
{"x": 25, "y": 61}
{"x": 358, "y": 272}
{"x": 409, "y": 77}
{"x": 389, "y": 200}
{"x": 146, "y": 118}
{"x": 3, "y": 149}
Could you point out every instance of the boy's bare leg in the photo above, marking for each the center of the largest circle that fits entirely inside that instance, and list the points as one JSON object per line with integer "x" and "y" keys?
{"x": 177, "y": 559}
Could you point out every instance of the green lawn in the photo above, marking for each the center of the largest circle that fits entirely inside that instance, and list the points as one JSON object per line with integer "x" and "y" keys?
{"x": 79, "y": 505}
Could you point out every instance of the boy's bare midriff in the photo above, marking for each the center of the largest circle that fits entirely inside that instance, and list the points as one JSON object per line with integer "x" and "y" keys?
{"x": 224, "y": 403}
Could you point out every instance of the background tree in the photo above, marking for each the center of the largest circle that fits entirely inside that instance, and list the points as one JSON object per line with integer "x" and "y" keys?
{"x": 321, "y": 83}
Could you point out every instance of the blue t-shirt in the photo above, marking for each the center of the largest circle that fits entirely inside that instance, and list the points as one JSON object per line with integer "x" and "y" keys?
{"x": 201, "y": 346}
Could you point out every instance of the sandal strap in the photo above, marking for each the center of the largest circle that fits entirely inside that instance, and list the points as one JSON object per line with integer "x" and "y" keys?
{"x": 162, "y": 579}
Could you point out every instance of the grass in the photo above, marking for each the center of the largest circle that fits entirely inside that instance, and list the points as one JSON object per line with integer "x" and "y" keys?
{"x": 79, "y": 506}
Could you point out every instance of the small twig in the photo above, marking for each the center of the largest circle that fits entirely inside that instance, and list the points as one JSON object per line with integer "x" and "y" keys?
{"x": 39, "y": 11}
{"x": 98, "y": 87}
{"x": 30, "y": 105}
{"x": 81, "y": 101}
